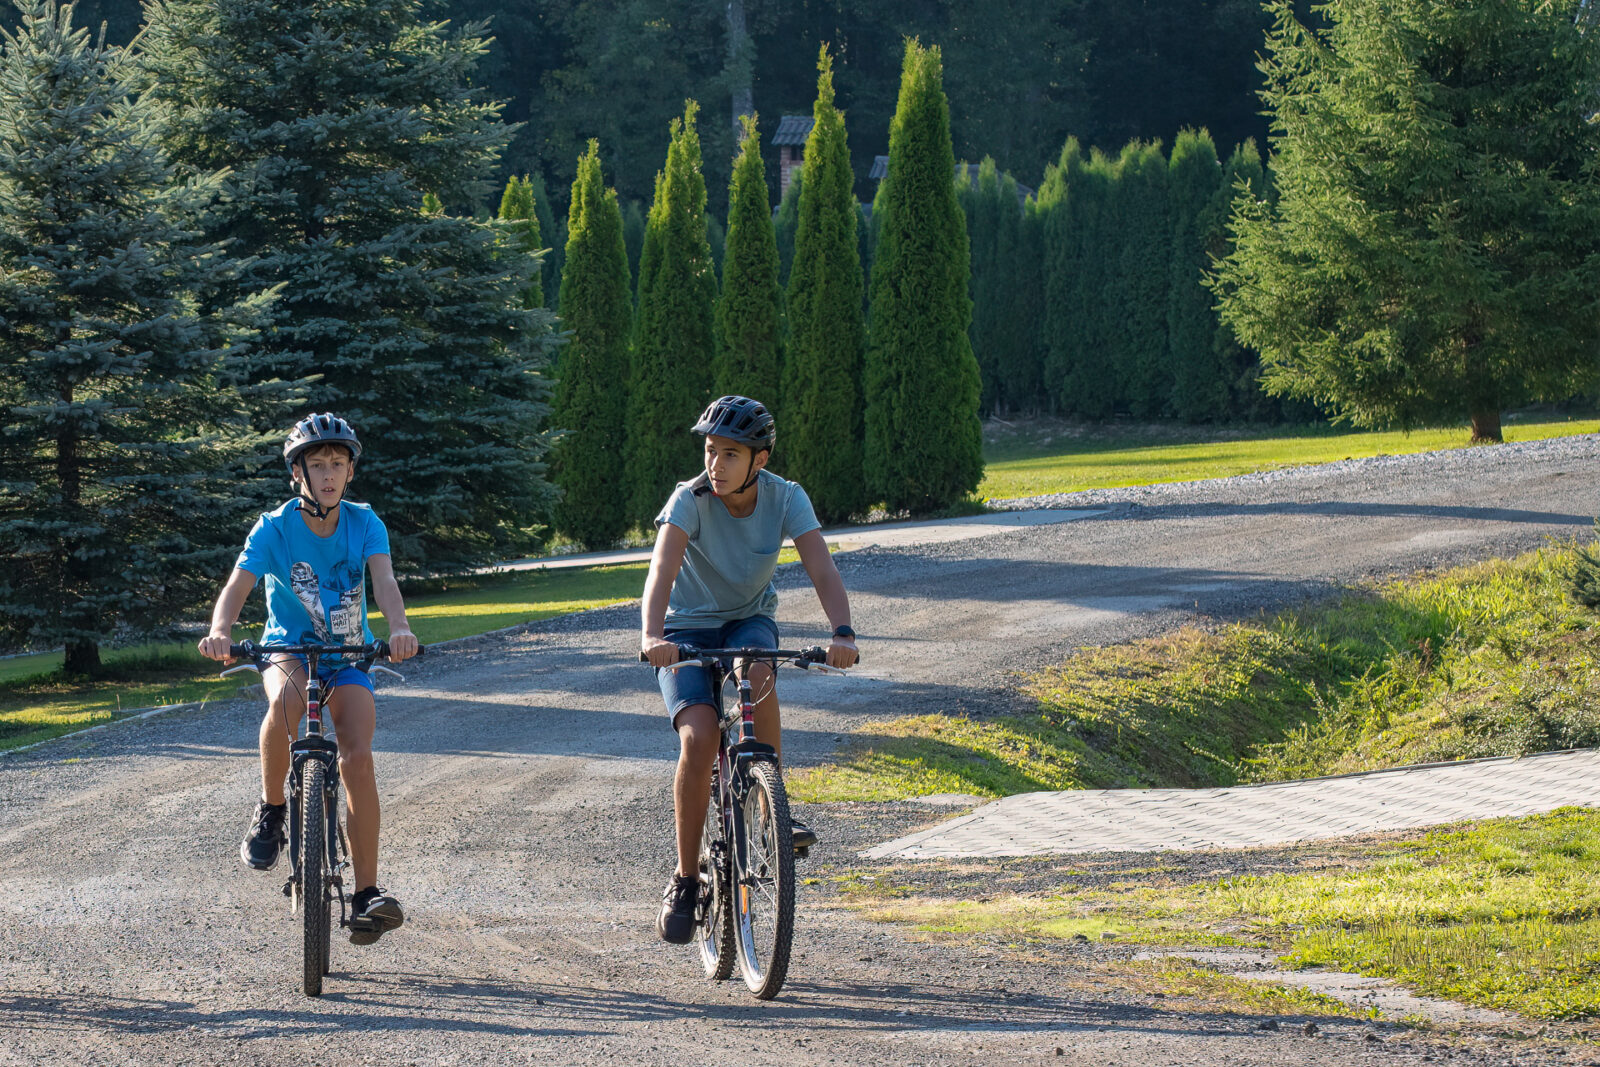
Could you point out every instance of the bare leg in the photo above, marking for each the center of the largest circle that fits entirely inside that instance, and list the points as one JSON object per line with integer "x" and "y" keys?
{"x": 768, "y": 729}
{"x": 354, "y": 719}
{"x": 691, "y": 788}
{"x": 284, "y": 681}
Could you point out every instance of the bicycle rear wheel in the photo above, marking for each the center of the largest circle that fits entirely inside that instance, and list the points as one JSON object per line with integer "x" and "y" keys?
{"x": 313, "y": 888}
{"x": 764, "y": 882}
{"x": 717, "y": 950}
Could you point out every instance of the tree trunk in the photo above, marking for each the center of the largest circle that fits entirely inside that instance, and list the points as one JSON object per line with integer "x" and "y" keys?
{"x": 740, "y": 68}
{"x": 1486, "y": 426}
{"x": 83, "y": 657}
{"x": 83, "y": 653}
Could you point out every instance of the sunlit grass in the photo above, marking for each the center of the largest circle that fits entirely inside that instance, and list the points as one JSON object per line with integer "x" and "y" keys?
{"x": 1492, "y": 659}
{"x": 1039, "y": 462}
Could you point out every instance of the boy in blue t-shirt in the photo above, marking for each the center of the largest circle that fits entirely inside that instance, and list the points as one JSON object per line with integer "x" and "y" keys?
{"x": 313, "y": 552}
{"x": 710, "y": 586}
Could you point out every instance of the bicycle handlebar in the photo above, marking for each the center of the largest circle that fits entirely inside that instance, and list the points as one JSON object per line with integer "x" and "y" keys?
{"x": 253, "y": 652}
{"x": 814, "y": 656}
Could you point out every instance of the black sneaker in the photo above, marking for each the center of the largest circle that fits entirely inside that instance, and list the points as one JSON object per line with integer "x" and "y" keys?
{"x": 372, "y": 913}
{"x": 261, "y": 845}
{"x": 676, "y": 921}
{"x": 804, "y": 836}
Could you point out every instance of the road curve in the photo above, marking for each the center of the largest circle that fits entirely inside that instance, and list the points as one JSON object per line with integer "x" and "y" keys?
{"x": 527, "y": 817}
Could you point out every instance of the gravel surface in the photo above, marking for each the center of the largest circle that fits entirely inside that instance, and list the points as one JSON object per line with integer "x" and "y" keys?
{"x": 527, "y": 813}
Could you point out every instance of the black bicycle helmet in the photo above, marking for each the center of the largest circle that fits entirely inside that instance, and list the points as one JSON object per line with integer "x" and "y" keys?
{"x": 316, "y": 430}
{"x": 742, "y": 419}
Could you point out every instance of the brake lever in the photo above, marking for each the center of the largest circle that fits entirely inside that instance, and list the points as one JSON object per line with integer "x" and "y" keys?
{"x": 240, "y": 667}
{"x": 386, "y": 670}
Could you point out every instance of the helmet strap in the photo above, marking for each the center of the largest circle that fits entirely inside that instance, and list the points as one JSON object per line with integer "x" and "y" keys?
{"x": 308, "y": 499}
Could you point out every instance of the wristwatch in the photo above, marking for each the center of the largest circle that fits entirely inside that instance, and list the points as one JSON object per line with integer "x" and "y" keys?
{"x": 845, "y": 632}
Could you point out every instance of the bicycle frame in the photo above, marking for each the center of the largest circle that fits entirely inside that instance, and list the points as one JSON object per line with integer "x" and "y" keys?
{"x": 316, "y": 745}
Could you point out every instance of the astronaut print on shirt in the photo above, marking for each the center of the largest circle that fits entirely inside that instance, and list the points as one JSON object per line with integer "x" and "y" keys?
{"x": 336, "y": 621}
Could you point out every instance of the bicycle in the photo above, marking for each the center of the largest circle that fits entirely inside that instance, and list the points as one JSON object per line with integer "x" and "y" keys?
{"x": 745, "y": 907}
{"x": 317, "y": 842}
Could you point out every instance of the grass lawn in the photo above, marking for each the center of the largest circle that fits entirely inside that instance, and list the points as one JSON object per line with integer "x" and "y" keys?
{"x": 1037, "y": 456}
{"x": 1492, "y": 659}
{"x": 1503, "y": 914}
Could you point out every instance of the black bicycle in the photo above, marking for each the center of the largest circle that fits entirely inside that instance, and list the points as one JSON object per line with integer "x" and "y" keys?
{"x": 317, "y": 844}
{"x": 745, "y": 908}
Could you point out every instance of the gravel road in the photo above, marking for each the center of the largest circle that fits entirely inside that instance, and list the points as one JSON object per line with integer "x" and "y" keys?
{"x": 527, "y": 817}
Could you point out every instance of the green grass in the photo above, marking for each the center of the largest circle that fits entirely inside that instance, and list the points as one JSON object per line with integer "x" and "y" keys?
{"x": 1504, "y": 914}
{"x": 1488, "y": 660}
{"x": 1054, "y": 456}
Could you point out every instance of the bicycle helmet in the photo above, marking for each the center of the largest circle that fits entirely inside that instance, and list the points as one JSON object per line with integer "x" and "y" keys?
{"x": 741, "y": 419}
{"x": 316, "y": 430}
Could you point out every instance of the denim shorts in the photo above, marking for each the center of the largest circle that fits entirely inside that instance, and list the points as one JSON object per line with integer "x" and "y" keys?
{"x": 332, "y": 677}
{"x": 688, "y": 686}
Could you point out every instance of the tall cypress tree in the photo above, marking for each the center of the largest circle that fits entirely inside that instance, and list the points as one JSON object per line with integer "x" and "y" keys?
{"x": 1142, "y": 272}
{"x": 1243, "y": 175}
{"x": 1079, "y": 238}
{"x": 675, "y": 334}
{"x": 552, "y": 233}
{"x": 590, "y": 405}
{"x": 750, "y": 312}
{"x": 1199, "y": 383}
{"x": 122, "y": 436}
{"x": 924, "y": 444}
{"x": 518, "y": 211}
{"x": 333, "y": 119}
{"x": 633, "y": 228}
{"x": 823, "y": 404}
{"x": 994, "y": 216}
{"x": 786, "y": 223}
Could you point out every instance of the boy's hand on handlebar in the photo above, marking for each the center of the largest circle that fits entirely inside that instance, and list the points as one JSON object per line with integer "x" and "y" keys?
{"x": 658, "y": 651}
{"x": 402, "y": 646}
{"x": 842, "y": 653}
{"x": 215, "y": 646}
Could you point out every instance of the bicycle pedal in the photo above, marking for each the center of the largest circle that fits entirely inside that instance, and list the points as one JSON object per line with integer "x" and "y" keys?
{"x": 802, "y": 852}
{"x": 288, "y": 888}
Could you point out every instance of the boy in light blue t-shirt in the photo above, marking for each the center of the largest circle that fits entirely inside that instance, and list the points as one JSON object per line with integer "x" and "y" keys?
{"x": 710, "y": 586}
{"x": 314, "y": 553}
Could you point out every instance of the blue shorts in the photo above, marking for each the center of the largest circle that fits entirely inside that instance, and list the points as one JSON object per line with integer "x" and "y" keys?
{"x": 332, "y": 677}
{"x": 688, "y": 686}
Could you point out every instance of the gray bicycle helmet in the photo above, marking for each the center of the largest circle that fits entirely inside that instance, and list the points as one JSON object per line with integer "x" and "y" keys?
{"x": 316, "y": 430}
{"x": 742, "y": 419}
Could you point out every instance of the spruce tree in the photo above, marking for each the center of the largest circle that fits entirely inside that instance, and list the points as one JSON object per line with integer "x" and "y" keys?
{"x": 924, "y": 444}
{"x": 750, "y": 311}
{"x": 590, "y": 406}
{"x": 820, "y": 434}
{"x": 1435, "y": 248}
{"x": 122, "y": 431}
{"x": 1200, "y": 385}
{"x": 518, "y": 212}
{"x": 675, "y": 332}
{"x": 334, "y": 119}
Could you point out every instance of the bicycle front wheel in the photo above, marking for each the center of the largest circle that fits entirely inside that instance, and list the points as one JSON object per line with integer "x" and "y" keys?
{"x": 716, "y": 903}
{"x": 764, "y": 882}
{"x": 313, "y": 887}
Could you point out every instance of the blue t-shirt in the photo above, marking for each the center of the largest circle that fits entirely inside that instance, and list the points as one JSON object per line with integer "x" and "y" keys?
{"x": 316, "y": 586}
{"x": 727, "y": 567}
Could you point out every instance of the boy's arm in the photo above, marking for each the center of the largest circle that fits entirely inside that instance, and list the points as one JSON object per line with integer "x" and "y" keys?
{"x": 386, "y": 591}
{"x": 671, "y": 543}
{"x": 229, "y": 603}
{"x": 825, "y": 579}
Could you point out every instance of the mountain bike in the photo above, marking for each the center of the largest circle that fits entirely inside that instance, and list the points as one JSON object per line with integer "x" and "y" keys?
{"x": 745, "y": 909}
{"x": 317, "y": 844}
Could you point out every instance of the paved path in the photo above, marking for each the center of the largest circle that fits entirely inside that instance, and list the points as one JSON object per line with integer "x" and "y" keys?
{"x": 881, "y": 535}
{"x": 1155, "y": 820}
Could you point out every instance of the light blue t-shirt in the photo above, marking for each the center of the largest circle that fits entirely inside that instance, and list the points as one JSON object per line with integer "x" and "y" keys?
{"x": 727, "y": 568}
{"x": 316, "y": 586}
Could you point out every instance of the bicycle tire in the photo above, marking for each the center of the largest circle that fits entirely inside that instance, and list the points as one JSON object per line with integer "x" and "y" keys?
{"x": 764, "y": 882}
{"x": 313, "y": 889}
{"x": 717, "y": 951}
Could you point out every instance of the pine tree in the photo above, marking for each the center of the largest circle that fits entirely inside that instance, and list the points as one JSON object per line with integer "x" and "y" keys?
{"x": 518, "y": 211}
{"x": 820, "y": 434}
{"x": 924, "y": 444}
{"x": 333, "y": 119}
{"x": 750, "y": 311}
{"x": 122, "y": 432}
{"x": 1200, "y": 384}
{"x": 675, "y": 332}
{"x": 1435, "y": 247}
{"x": 597, "y": 311}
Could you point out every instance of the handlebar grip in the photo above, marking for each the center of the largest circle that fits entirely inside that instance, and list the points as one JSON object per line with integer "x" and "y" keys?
{"x": 242, "y": 651}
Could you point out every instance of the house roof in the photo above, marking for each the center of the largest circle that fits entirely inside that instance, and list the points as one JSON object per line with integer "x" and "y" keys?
{"x": 793, "y": 129}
